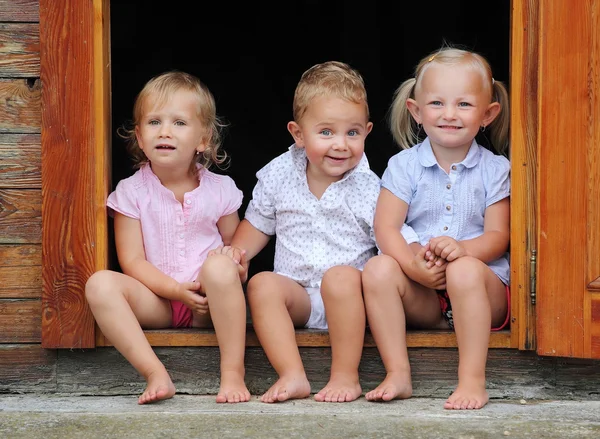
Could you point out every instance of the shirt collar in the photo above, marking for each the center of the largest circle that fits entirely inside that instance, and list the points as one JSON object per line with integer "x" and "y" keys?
{"x": 427, "y": 157}
{"x": 299, "y": 159}
{"x": 149, "y": 174}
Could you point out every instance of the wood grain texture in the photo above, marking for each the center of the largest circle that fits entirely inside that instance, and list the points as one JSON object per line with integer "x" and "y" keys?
{"x": 20, "y": 109}
{"x": 68, "y": 140}
{"x": 27, "y": 368}
{"x": 20, "y": 161}
{"x": 20, "y": 216}
{"x": 19, "y": 10}
{"x": 20, "y": 321}
{"x": 20, "y": 50}
{"x": 568, "y": 110}
{"x": 304, "y": 338}
{"x": 523, "y": 155}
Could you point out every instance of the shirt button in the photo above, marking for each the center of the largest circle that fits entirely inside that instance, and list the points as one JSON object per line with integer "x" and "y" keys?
{"x": 454, "y": 167}
{"x": 448, "y": 186}
{"x": 181, "y": 253}
{"x": 448, "y": 208}
{"x": 181, "y": 235}
{"x": 445, "y": 228}
{"x": 188, "y": 201}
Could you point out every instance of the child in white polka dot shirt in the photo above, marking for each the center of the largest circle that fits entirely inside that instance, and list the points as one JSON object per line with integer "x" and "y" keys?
{"x": 318, "y": 199}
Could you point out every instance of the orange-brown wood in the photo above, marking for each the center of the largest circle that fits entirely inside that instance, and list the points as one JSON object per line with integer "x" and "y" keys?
{"x": 20, "y": 161}
{"x": 20, "y": 216}
{"x": 304, "y": 338}
{"x": 68, "y": 198}
{"x": 523, "y": 97}
{"x": 568, "y": 151}
{"x": 20, "y": 50}
{"x": 19, "y": 10}
{"x": 20, "y": 321}
{"x": 21, "y": 271}
{"x": 20, "y": 109}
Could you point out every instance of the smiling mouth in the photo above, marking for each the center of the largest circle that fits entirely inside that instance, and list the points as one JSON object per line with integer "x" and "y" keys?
{"x": 165, "y": 147}
{"x": 449, "y": 127}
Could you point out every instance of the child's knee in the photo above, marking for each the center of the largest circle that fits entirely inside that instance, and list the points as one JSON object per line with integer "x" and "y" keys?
{"x": 99, "y": 285}
{"x": 261, "y": 287}
{"x": 341, "y": 282}
{"x": 379, "y": 269}
{"x": 219, "y": 269}
{"x": 464, "y": 273}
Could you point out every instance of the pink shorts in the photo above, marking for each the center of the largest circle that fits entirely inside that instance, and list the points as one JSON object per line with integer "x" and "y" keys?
{"x": 446, "y": 308}
{"x": 181, "y": 315}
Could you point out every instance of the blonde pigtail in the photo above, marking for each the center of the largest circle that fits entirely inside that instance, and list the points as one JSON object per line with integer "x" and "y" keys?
{"x": 402, "y": 125}
{"x": 499, "y": 127}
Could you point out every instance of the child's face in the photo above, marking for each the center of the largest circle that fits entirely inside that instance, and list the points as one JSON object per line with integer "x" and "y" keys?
{"x": 170, "y": 134}
{"x": 452, "y": 103}
{"x": 333, "y": 133}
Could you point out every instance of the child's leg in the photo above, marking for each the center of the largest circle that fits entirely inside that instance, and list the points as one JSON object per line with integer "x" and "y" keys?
{"x": 122, "y": 306}
{"x": 220, "y": 281}
{"x": 341, "y": 290}
{"x": 392, "y": 300}
{"x": 277, "y": 304}
{"x": 478, "y": 301}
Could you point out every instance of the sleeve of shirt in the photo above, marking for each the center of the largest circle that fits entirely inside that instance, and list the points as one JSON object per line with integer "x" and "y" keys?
{"x": 409, "y": 234}
{"x": 124, "y": 200}
{"x": 496, "y": 179}
{"x": 396, "y": 177}
{"x": 261, "y": 208}
{"x": 231, "y": 196}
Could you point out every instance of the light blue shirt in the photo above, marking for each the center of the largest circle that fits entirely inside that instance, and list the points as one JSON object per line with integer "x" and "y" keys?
{"x": 442, "y": 204}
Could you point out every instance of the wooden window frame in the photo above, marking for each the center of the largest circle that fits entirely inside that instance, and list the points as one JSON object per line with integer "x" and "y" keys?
{"x": 76, "y": 162}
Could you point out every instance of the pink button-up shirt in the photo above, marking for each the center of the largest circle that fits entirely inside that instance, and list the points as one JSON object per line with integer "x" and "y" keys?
{"x": 177, "y": 237}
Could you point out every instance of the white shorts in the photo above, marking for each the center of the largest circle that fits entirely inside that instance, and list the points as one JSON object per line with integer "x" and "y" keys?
{"x": 317, "y": 318}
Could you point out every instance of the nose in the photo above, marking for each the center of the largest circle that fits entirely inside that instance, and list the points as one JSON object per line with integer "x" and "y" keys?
{"x": 449, "y": 112}
{"x": 165, "y": 130}
{"x": 341, "y": 143}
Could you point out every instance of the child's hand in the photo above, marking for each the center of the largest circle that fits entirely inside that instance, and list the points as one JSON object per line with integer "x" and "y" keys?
{"x": 192, "y": 297}
{"x": 433, "y": 276}
{"x": 446, "y": 248}
{"x": 238, "y": 256}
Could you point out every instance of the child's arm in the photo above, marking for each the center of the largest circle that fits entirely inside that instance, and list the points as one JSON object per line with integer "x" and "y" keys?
{"x": 487, "y": 247}
{"x": 227, "y": 226}
{"x": 390, "y": 215}
{"x": 132, "y": 258}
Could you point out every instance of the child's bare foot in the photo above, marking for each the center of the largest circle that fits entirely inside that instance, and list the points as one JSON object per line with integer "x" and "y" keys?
{"x": 287, "y": 388}
{"x": 159, "y": 387}
{"x": 394, "y": 386}
{"x": 233, "y": 388}
{"x": 340, "y": 388}
{"x": 467, "y": 397}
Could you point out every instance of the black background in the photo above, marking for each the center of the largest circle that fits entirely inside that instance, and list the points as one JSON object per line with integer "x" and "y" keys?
{"x": 252, "y": 54}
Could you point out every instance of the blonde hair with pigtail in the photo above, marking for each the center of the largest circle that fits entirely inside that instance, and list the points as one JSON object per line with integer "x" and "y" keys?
{"x": 405, "y": 129}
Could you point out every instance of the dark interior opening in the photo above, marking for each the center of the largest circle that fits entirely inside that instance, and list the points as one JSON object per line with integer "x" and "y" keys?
{"x": 252, "y": 54}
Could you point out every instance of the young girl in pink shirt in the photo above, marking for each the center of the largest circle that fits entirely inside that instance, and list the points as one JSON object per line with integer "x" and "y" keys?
{"x": 167, "y": 216}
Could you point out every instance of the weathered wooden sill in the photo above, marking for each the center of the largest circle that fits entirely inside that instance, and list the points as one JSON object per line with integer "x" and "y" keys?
{"x": 304, "y": 338}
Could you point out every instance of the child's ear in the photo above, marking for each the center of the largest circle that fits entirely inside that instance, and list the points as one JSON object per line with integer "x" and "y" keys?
{"x": 493, "y": 110}
{"x": 296, "y": 133}
{"x": 413, "y": 107}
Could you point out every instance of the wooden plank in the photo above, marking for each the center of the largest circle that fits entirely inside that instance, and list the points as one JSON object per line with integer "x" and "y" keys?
{"x": 21, "y": 282}
{"x": 20, "y": 105}
{"x": 523, "y": 154}
{"x": 568, "y": 108}
{"x": 20, "y": 321}
{"x": 20, "y": 161}
{"x": 20, "y": 50}
{"x": 20, "y": 216}
{"x": 68, "y": 137}
{"x": 510, "y": 373}
{"x": 27, "y": 368}
{"x": 304, "y": 338}
{"x": 19, "y": 10}
{"x": 15, "y": 255}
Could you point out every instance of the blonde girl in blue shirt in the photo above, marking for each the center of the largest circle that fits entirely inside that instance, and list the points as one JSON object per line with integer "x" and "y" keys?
{"x": 454, "y": 193}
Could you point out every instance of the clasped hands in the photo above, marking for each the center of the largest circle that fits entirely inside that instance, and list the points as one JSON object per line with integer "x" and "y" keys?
{"x": 428, "y": 267}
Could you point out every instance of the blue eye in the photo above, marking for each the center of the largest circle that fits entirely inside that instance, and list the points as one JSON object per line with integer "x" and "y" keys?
{"x": 326, "y": 132}
{"x": 464, "y": 104}
{"x": 436, "y": 103}
{"x": 180, "y": 123}
{"x": 153, "y": 122}
{"x": 353, "y": 133}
